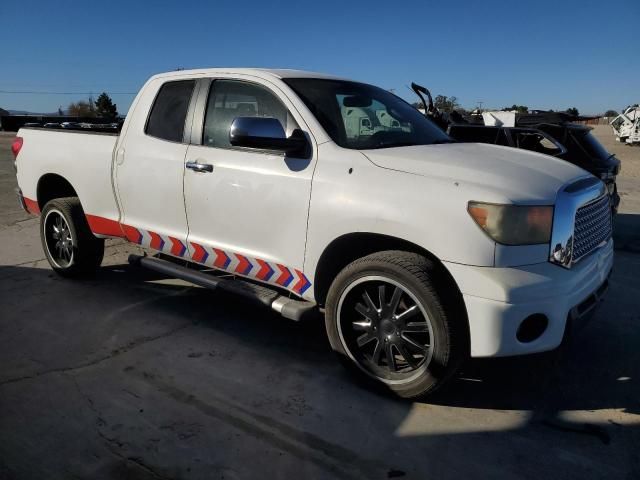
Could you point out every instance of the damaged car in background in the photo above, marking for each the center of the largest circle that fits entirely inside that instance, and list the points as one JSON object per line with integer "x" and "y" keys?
{"x": 551, "y": 133}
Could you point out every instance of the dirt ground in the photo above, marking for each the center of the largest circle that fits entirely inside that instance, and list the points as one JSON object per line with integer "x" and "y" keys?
{"x": 628, "y": 155}
{"x": 130, "y": 375}
{"x": 629, "y": 179}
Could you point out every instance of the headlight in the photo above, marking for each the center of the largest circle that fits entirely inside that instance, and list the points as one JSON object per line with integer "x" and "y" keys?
{"x": 513, "y": 224}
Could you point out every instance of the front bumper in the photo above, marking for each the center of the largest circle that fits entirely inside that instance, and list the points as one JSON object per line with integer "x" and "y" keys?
{"x": 499, "y": 299}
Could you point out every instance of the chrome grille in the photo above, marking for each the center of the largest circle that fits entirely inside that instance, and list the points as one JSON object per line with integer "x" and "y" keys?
{"x": 592, "y": 227}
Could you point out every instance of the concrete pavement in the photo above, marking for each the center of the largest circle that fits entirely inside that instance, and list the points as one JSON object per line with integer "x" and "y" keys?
{"x": 129, "y": 375}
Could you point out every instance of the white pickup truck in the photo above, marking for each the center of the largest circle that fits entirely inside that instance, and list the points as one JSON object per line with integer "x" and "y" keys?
{"x": 419, "y": 251}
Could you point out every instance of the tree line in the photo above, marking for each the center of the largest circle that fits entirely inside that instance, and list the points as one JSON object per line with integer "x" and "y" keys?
{"x": 450, "y": 104}
{"x": 102, "y": 107}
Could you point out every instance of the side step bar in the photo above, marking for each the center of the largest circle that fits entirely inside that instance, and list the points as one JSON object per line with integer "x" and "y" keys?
{"x": 288, "y": 307}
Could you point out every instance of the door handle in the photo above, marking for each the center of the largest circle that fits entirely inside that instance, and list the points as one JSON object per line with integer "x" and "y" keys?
{"x": 200, "y": 167}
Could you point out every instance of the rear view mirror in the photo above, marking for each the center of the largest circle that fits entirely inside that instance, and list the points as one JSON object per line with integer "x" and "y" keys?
{"x": 358, "y": 101}
{"x": 267, "y": 134}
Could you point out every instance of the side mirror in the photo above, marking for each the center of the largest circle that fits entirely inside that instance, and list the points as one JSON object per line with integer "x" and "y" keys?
{"x": 267, "y": 134}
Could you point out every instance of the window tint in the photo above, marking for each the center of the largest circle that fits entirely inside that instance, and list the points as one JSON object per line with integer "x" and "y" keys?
{"x": 534, "y": 141}
{"x": 170, "y": 111}
{"x": 478, "y": 134}
{"x": 590, "y": 144}
{"x": 230, "y": 99}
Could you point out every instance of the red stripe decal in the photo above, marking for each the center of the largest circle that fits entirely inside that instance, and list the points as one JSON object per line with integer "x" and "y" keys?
{"x": 244, "y": 266}
{"x": 156, "y": 241}
{"x": 132, "y": 234}
{"x": 285, "y": 277}
{"x": 265, "y": 271}
{"x": 200, "y": 255}
{"x": 32, "y": 206}
{"x": 222, "y": 259}
{"x": 303, "y": 283}
{"x": 104, "y": 226}
{"x": 177, "y": 247}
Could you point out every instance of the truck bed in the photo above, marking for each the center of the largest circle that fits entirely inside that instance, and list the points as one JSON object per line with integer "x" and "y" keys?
{"x": 88, "y": 131}
{"x": 82, "y": 158}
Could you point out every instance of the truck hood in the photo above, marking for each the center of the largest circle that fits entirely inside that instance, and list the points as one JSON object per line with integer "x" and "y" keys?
{"x": 518, "y": 175}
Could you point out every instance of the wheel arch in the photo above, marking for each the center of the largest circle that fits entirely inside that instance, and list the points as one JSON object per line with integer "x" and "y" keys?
{"x": 349, "y": 247}
{"x": 51, "y": 186}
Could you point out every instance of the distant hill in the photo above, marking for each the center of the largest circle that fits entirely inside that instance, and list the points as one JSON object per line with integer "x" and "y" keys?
{"x": 25, "y": 112}
{"x": 20, "y": 112}
{"x": 3, "y": 112}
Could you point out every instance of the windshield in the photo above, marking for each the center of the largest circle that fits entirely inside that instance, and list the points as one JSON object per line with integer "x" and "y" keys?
{"x": 361, "y": 116}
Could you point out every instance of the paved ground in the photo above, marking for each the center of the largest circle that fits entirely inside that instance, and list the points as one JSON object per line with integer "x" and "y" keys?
{"x": 131, "y": 376}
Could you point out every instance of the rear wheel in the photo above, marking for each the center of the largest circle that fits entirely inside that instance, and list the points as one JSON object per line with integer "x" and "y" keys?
{"x": 390, "y": 317}
{"x": 70, "y": 247}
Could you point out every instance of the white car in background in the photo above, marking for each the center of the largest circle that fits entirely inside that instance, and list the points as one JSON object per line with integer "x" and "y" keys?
{"x": 626, "y": 126}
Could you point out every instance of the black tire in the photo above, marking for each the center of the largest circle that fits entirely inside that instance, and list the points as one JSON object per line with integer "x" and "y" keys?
{"x": 83, "y": 252}
{"x": 444, "y": 335}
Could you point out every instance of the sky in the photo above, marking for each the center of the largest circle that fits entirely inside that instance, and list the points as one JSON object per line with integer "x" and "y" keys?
{"x": 541, "y": 54}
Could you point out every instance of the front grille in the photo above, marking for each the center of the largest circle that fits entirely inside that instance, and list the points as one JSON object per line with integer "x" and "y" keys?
{"x": 592, "y": 227}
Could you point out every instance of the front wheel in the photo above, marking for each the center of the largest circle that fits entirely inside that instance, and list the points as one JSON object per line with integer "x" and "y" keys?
{"x": 392, "y": 317}
{"x": 71, "y": 249}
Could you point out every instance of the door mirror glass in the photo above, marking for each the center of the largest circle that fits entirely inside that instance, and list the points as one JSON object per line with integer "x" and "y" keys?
{"x": 357, "y": 101}
{"x": 266, "y": 133}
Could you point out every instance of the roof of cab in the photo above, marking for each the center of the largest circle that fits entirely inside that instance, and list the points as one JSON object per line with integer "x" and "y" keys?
{"x": 257, "y": 72}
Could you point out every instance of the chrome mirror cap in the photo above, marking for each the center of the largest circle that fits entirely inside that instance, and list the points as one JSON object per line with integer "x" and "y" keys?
{"x": 256, "y": 127}
{"x": 266, "y": 133}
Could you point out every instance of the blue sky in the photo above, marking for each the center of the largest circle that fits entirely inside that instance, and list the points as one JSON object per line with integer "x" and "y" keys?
{"x": 541, "y": 54}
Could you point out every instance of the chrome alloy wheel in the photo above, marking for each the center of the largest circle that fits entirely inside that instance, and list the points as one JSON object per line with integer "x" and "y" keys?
{"x": 385, "y": 330}
{"x": 58, "y": 238}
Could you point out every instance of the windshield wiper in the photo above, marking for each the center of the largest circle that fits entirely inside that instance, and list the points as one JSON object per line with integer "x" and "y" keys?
{"x": 409, "y": 144}
{"x": 395, "y": 144}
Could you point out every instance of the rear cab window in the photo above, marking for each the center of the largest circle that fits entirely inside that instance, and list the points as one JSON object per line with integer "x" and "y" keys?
{"x": 169, "y": 112}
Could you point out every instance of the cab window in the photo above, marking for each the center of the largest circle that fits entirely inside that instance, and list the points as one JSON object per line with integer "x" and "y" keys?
{"x": 169, "y": 111}
{"x": 230, "y": 99}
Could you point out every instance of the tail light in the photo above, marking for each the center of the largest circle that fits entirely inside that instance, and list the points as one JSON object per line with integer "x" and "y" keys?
{"x": 16, "y": 146}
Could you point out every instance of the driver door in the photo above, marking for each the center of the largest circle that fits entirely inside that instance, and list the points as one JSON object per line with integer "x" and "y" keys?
{"x": 247, "y": 209}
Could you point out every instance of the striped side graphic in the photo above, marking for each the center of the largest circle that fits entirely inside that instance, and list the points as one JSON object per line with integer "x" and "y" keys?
{"x": 199, "y": 255}
{"x": 32, "y": 206}
{"x": 266, "y": 272}
{"x": 178, "y": 249}
{"x": 303, "y": 283}
{"x": 132, "y": 234}
{"x": 157, "y": 242}
{"x": 222, "y": 259}
{"x": 244, "y": 266}
{"x": 274, "y": 273}
{"x": 285, "y": 276}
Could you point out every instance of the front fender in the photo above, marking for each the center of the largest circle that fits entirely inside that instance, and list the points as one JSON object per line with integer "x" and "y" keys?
{"x": 351, "y": 194}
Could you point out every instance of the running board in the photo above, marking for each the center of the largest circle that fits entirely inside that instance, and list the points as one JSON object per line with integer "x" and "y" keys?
{"x": 287, "y": 307}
